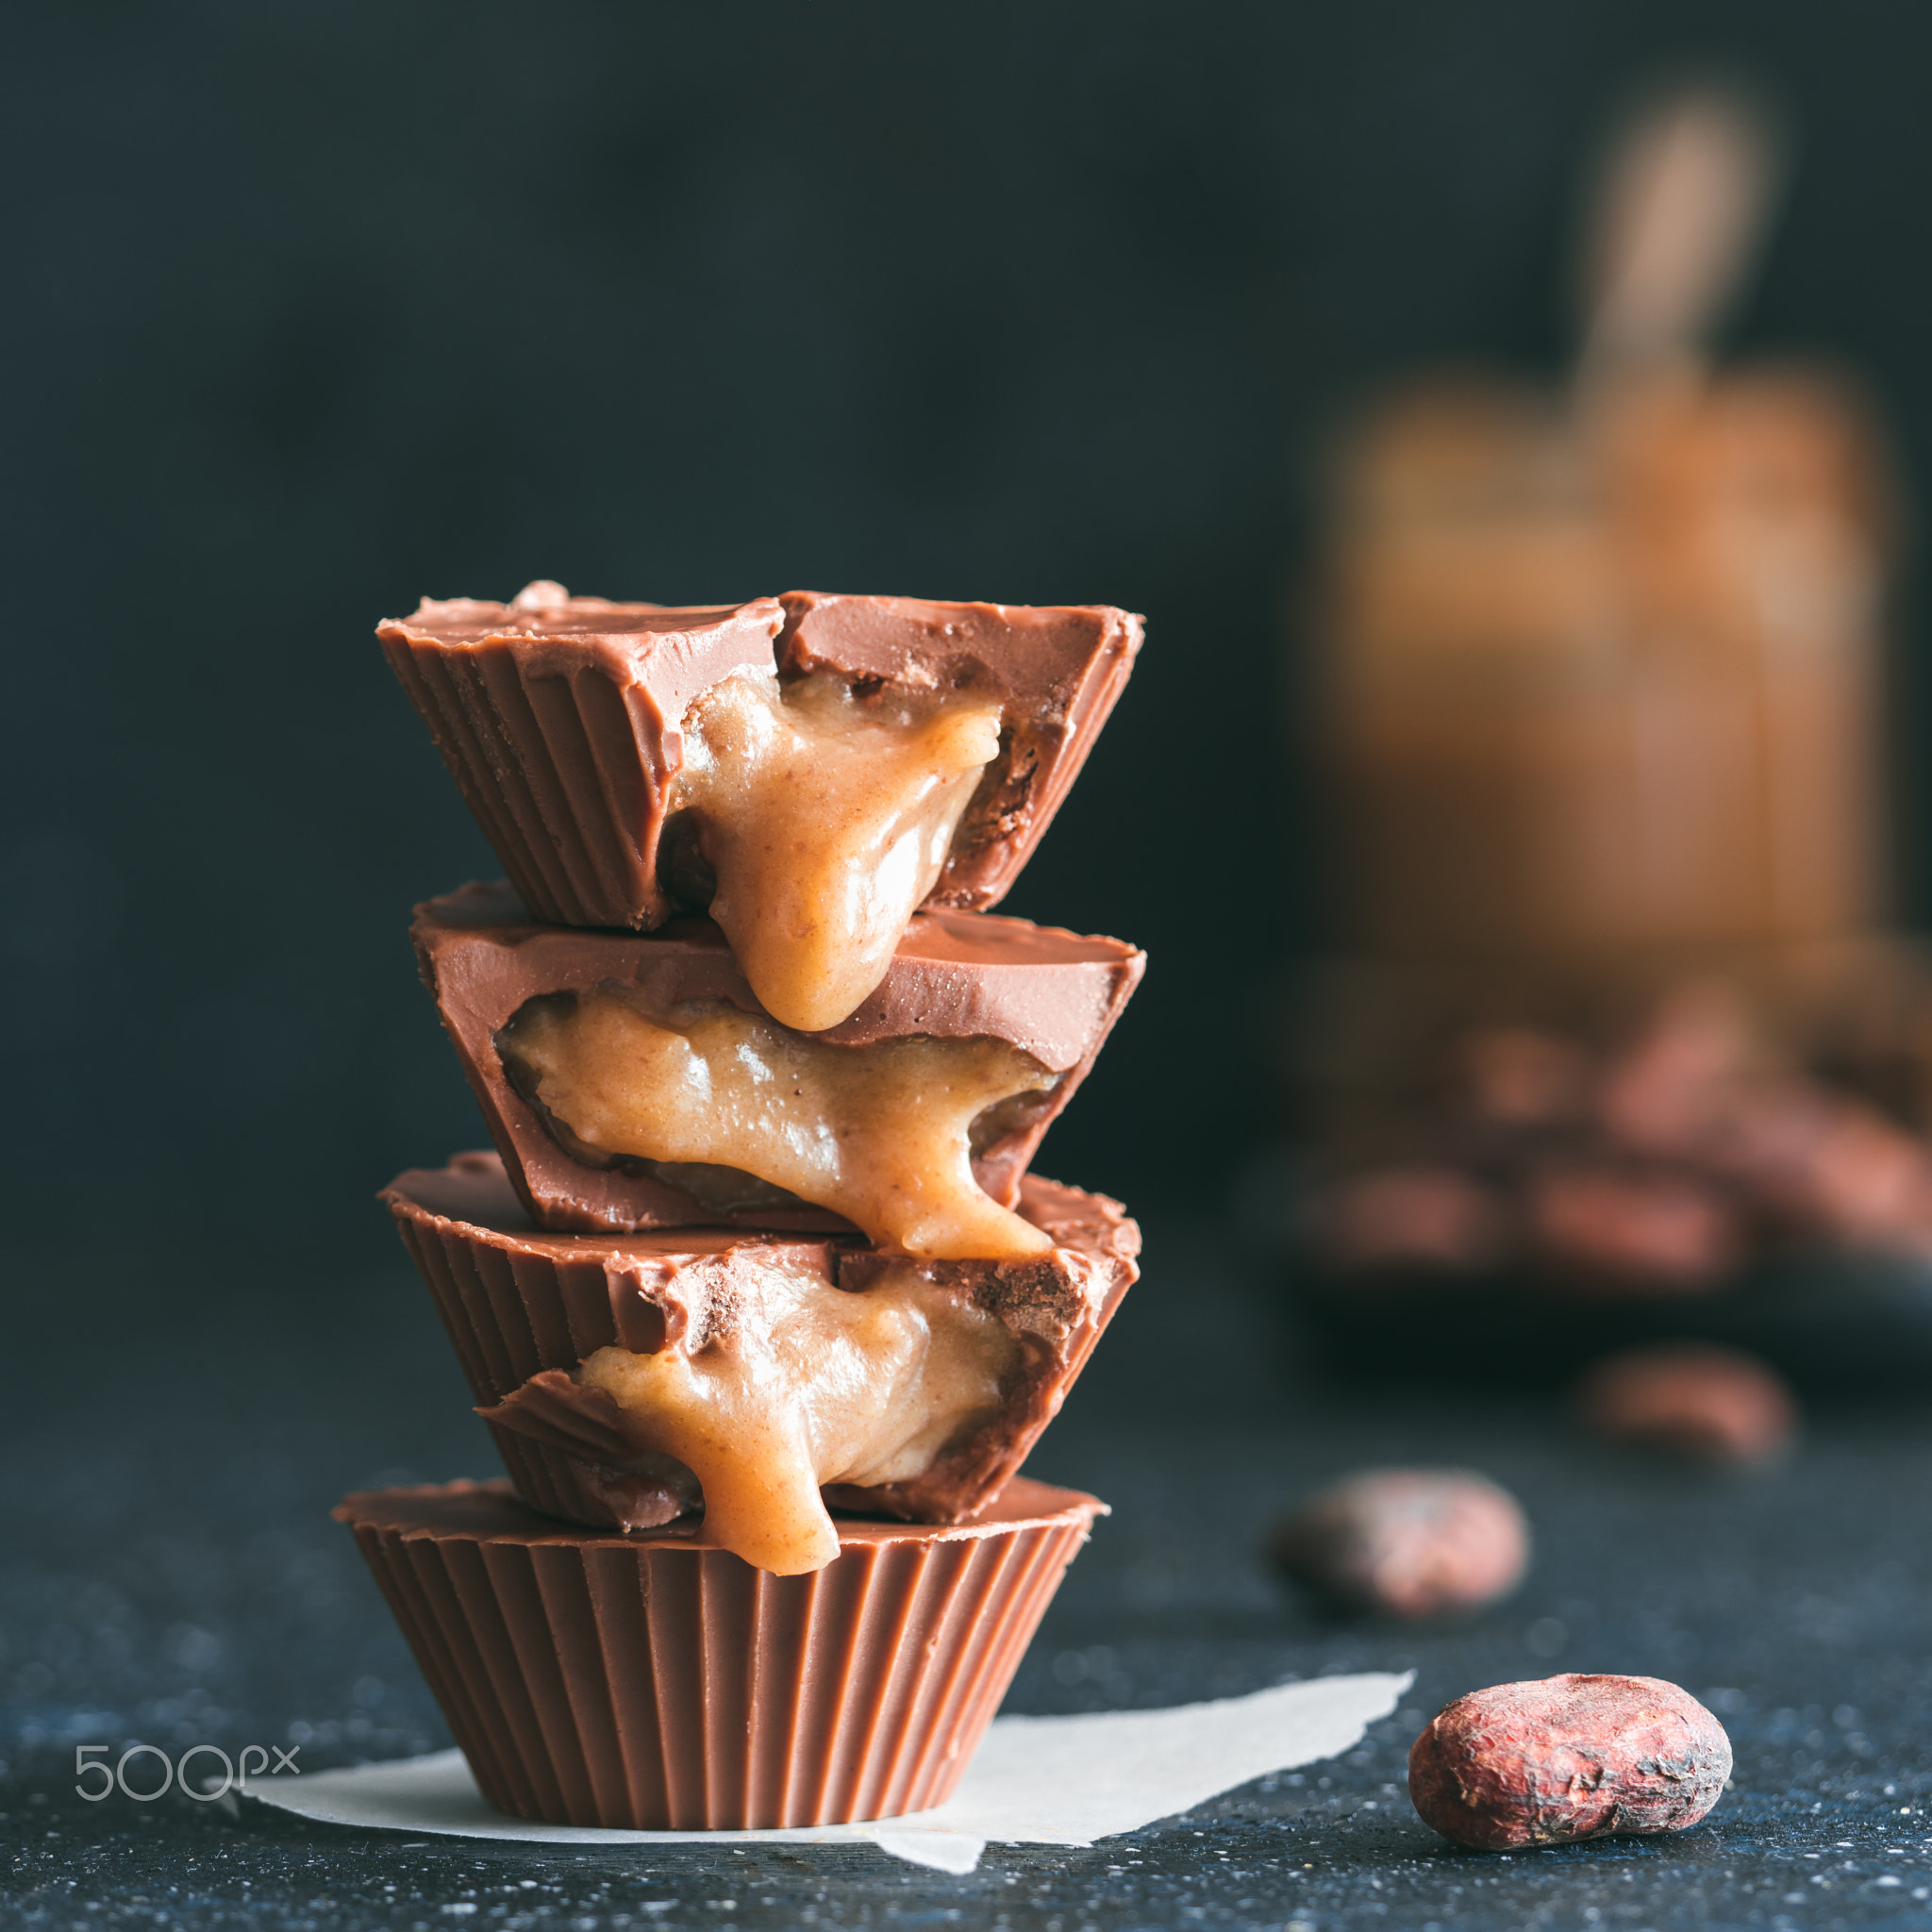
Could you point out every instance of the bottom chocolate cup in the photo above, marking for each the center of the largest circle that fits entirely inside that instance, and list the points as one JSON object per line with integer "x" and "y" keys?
{"x": 657, "y": 1682}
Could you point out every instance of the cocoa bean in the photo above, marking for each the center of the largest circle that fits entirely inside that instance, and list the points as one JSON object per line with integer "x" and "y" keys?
{"x": 1546, "y": 1762}
{"x": 1426, "y": 1215}
{"x": 1708, "y": 1404}
{"x": 1414, "y": 1543}
{"x": 1625, "y": 1231}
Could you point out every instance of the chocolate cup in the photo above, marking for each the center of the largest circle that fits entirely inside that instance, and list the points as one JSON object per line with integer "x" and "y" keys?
{"x": 957, "y": 975}
{"x": 653, "y": 1683}
{"x": 523, "y": 1307}
{"x": 561, "y": 719}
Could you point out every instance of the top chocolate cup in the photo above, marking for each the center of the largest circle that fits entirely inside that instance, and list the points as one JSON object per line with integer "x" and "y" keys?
{"x": 808, "y": 769}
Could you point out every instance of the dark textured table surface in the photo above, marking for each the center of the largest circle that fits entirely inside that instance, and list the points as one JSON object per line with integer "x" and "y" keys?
{"x": 171, "y": 1576}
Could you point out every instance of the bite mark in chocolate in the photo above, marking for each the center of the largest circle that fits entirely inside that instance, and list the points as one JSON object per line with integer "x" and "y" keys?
{"x": 880, "y": 1135}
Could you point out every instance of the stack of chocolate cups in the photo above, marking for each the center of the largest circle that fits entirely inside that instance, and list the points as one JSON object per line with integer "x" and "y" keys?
{"x": 756, "y": 1293}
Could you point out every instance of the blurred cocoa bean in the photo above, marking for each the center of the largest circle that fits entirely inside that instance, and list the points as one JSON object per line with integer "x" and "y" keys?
{"x": 1413, "y": 1543}
{"x": 1425, "y": 1215}
{"x": 1713, "y": 1405}
{"x": 1627, "y": 1231}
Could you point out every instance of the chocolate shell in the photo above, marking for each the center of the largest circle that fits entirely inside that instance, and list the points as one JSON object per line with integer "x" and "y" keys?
{"x": 523, "y": 1307}
{"x": 1051, "y": 993}
{"x": 658, "y": 1684}
{"x": 1057, "y": 669}
{"x": 560, "y": 719}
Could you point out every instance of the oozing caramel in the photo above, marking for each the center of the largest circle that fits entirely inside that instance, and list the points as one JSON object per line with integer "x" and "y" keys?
{"x": 879, "y": 1134}
{"x": 820, "y": 1386}
{"x": 825, "y": 820}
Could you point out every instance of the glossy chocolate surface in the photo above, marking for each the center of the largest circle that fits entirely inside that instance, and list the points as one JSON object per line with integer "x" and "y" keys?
{"x": 648, "y": 1683}
{"x": 561, "y": 719}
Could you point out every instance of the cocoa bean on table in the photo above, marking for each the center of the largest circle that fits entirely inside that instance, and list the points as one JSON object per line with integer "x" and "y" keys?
{"x": 1574, "y": 1756}
{"x": 1413, "y": 1543}
{"x": 1689, "y": 1399}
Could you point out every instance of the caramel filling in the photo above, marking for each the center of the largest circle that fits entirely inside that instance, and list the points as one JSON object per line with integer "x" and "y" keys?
{"x": 881, "y": 1134}
{"x": 819, "y": 1386}
{"x": 826, "y": 819}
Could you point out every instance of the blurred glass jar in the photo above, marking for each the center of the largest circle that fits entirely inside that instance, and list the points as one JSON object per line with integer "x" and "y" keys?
{"x": 1603, "y": 675}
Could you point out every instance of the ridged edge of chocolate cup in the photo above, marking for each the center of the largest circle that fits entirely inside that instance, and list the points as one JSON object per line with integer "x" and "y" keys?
{"x": 564, "y": 752}
{"x": 512, "y": 1311}
{"x": 568, "y": 864}
{"x": 653, "y": 1683}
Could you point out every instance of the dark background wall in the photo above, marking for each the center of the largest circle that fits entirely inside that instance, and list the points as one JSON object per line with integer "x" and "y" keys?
{"x": 314, "y": 308}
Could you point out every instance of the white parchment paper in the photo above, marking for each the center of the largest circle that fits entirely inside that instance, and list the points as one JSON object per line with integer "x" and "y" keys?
{"x": 1034, "y": 1780}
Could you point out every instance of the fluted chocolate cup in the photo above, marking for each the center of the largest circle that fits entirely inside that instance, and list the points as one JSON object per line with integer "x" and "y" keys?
{"x": 1051, "y": 996}
{"x": 524, "y": 1307}
{"x": 561, "y": 719}
{"x": 661, "y": 1683}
